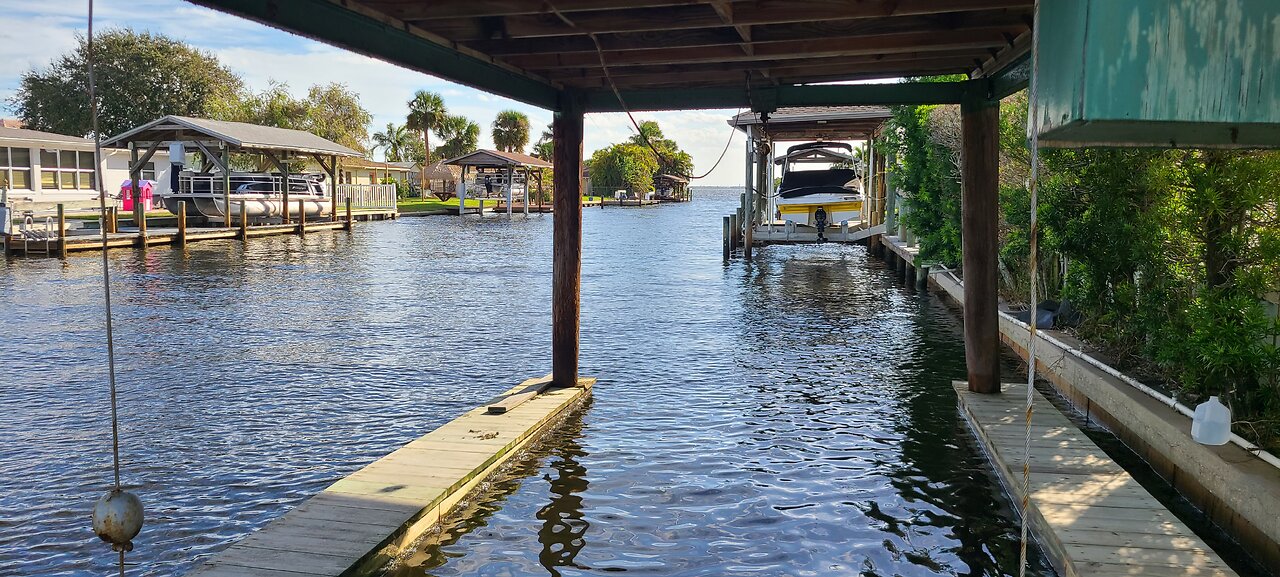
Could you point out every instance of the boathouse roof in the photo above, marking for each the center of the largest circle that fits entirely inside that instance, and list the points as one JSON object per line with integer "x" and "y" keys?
{"x": 484, "y": 157}
{"x": 8, "y": 134}
{"x": 240, "y": 136}
{"x": 679, "y": 54}
{"x": 818, "y": 122}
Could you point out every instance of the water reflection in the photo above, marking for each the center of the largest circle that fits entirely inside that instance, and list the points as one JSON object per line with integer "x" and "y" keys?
{"x": 564, "y": 526}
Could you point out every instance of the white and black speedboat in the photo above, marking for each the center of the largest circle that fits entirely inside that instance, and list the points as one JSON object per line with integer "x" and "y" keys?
{"x": 819, "y": 198}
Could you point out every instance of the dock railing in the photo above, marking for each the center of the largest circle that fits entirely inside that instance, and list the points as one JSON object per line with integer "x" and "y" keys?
{"x": 368, "y": 196}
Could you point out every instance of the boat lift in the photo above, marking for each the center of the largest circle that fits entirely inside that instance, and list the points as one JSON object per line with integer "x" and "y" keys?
{"x": 755, "y": 221}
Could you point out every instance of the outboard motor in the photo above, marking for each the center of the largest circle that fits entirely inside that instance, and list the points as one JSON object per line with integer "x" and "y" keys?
{"x": 820, "y": 218}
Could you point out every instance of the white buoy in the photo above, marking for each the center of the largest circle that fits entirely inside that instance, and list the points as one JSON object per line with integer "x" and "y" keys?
{"x": 1212, "y": 423}
{"x": 117, "y": 519}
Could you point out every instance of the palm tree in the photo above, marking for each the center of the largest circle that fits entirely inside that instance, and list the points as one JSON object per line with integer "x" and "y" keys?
{"x": 511, "y": 131}
{"x": 426, "y": 113}
{"x": 543, "y": 148}
{"x": 394, "y": 142}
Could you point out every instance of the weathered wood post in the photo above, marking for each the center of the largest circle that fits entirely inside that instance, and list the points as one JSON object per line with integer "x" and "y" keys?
{"x": 62, "y": 232}
{"x": 349, "y": 219}
{"x": 979, "y": 214}
{"x": 244, "y": 221}
{"x": 332, "y": 169}
{"x": 566, "y": 268}
{"x": 182, "y": 224}
{"x": 302, "y": 218}
{"x": 724, "y": 222}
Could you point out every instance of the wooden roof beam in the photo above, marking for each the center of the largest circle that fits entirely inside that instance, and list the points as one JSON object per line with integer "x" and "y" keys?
{"x": 724, "y": 9}
{"x": 772, "y": 97}
{"x": 1014, "y": 22}
{"x": 804, "y": 49}
{"x": 698, "y": 16}
{"x": 447, "y": 9}
{"x": 850, "y": 63}
{"x": 891, "y": 69}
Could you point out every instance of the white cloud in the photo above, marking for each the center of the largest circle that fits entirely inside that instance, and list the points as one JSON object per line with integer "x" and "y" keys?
{"x": 33, "y": 34}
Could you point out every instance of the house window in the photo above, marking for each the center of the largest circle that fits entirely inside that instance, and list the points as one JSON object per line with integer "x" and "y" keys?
{"x": 149, "y": 171}
{"x": 66, "y": 169}
{"x": 15, "y": 167}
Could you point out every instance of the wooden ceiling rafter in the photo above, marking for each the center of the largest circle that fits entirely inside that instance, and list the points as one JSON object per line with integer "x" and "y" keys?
{"x": 683, "y": 17}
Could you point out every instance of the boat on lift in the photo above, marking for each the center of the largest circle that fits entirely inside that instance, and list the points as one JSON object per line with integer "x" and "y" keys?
{"x": 822, "y": 197}
{"x": 260, "y": 195}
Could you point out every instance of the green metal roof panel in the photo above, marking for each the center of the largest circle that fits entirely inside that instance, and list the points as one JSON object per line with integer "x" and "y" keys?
{"x": 1160, "y": 72}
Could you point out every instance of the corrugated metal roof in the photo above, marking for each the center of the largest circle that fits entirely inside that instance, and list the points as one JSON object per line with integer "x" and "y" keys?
{"x": 486, "y": 157}
{"x": 240, "y": 135}
{"x": 7, "y": 133}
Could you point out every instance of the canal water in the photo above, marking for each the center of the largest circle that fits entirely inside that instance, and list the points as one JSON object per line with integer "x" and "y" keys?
{"x": 794, "y": 416}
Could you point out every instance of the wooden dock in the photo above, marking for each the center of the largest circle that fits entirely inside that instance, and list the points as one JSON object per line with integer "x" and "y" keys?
{"x": 1091, "y": 517}
{"x": 175, "y": 235}
{"x": 361, "y": 522}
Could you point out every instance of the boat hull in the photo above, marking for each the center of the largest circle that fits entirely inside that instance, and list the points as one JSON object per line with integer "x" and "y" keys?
{"x": 803, "y": 210}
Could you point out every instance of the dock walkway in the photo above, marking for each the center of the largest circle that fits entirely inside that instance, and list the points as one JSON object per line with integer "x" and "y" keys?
{"x": 359, "y": 523}
{"x": 1091, "y": 516}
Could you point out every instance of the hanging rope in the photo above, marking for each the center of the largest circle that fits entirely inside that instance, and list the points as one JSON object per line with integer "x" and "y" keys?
{"x": 117, "y": 517}
{"x": 1033, "y": 127}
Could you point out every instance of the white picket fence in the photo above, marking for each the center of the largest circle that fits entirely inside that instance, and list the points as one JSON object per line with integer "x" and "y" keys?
{"x": 380, "y": 196}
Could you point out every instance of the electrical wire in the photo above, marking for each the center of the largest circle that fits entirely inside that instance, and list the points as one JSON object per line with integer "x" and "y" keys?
{"x": 622, "y": 103}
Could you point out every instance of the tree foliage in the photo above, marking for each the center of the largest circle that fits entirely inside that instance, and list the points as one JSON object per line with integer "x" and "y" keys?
{"x": 544, "y": 147}
{"x": 670, "y": 158}
{"x": 396, "y": 143}
{"x": 460, "y": 136}
{"x": 1168, "y": 254}
{"x": 625, "y": 165}
{"x": 510, "y": 131}
{"x": 140, "y": 77}
{"x": 330, "y": 111}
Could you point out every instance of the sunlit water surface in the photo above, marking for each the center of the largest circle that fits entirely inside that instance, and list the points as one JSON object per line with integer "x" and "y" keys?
{"x": 792, "y": 417}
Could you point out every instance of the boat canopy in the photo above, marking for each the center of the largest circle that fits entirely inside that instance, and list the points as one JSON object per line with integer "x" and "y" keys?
{"x": 806, "y": 182}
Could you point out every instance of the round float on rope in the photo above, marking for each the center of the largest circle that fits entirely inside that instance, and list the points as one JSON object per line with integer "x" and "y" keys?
{"x": 117, "y": 519}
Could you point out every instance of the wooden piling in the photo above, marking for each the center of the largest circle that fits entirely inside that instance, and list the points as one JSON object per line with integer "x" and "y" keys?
{"x": 302, "y": 218}
{"x": 979, "y": 215}
{"x": 724, "y": 237}
{"x": 349, "y": 219}
{"x": 244, "y": 221}
{"x": 566, "y": 277}
{"x": 62, "y": 232}
{"x": 182, "y": 224}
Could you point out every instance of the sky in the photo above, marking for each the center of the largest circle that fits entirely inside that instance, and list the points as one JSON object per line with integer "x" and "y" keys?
{"x": 33, "y": 34}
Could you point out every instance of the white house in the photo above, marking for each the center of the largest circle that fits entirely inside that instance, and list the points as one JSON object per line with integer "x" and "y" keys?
{"x": 39, "y": 169}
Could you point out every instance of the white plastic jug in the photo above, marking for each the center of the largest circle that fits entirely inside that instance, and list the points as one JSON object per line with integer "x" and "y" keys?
{"x": 1212, "y": 423}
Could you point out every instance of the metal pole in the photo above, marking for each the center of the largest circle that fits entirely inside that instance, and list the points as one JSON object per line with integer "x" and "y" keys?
{"x": 749, "y": 197}
{"x": 509, "y": 178}
{"x": 284, "y": 188}
{"x": 226, "y": 184}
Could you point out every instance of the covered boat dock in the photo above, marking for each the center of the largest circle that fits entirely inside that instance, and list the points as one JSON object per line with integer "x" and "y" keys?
{"x": 214, "y": 142}
{"x": 498, "y": 169}
{"x": 580, "y": 56}
{"x": 755, "y": 222}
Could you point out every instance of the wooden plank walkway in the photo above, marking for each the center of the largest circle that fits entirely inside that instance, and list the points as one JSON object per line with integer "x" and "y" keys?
{"x": 359, "y": 523}
{"x": 1091, "y": 516}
